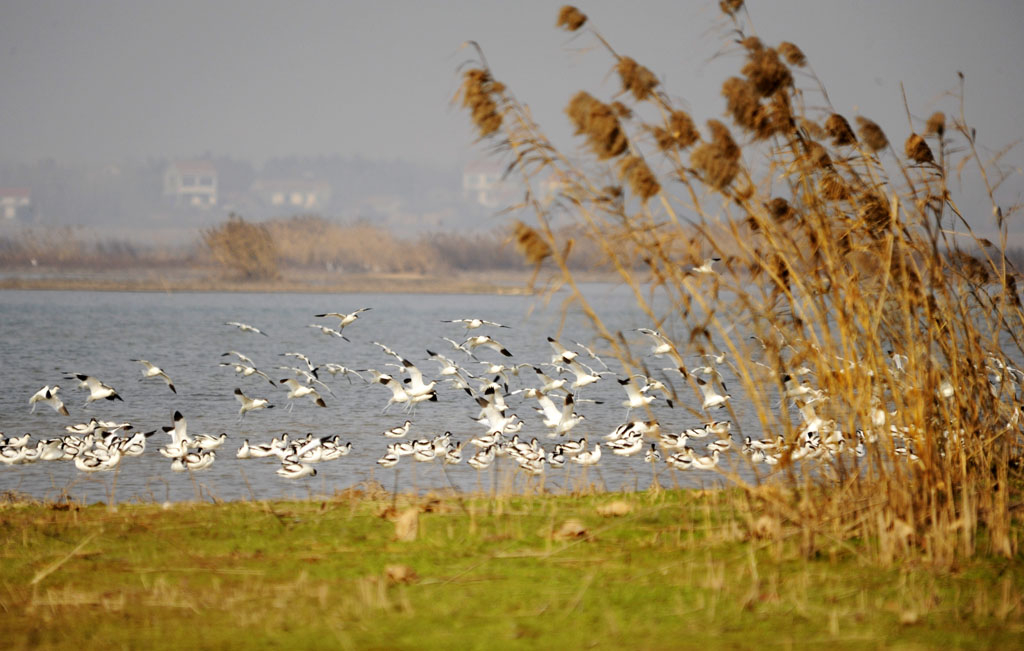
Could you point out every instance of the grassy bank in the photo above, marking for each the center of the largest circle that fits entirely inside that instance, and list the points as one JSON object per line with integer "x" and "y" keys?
{"x": 655, "y": 570}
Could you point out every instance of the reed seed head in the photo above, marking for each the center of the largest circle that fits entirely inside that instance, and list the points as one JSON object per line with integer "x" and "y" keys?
{"x": 871, "y": 134}
{"x": 636, "y": 78}
{"x": 730, "y": 7}
{"x": 599, "y": 123}
{"x": 682, "y": 128}
{"x": 817, "y": 155}
{"x": 752, "y": 44}
{"x": 570, "y": 18}
{"x": 530, "y": 243}
{"x": 621, "y": 110}
{"x": 477, "y": 90}
{"x": 874, "y": 213}
{"x": 839, "y": 129}
{"x": 812, "y": 128}
{"x": 638, "y": 175}
{"x": 718, "y": 160}
{"x": 833, "y": 187}
{"x": 917, "y": 149}
{"x": 779, "y": 209}
{"x": 767, "y": 72}
{"x": 794, "y": 56}
{"x": 936, "y": 124}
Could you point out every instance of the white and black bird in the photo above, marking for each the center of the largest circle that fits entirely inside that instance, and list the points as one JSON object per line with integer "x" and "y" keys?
{"x": 297, "y": 390}
{"x": 335, "y": 369}
{"x": 712, "y": 399}
{"x": 327, "y": 330}
{"x": 487, "y": 342}
{"x": 245, "y": 327}
{"x": 48, "y": 396}
{"x": 473, "y": 324}
{"x": 293, "y": 470}
{"x": 705, "y": 267}
{"x": 250, "y": 404}
{"x": 662, "y": 345}
{"x": 246, "y": 370}
{"x": 344, "y": 319}
{"x": 399, "y": 431}
{"x": 97, "y": 390}
{"x": 150, "y": 370}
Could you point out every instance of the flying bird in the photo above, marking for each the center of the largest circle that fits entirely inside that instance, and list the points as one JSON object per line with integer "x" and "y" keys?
{"x": 245, "y": 327}
{"x": 152, "y": 371}
{"x": 48, "y": 395}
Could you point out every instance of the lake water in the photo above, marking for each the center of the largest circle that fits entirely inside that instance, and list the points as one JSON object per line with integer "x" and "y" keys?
{"x": 48, "y": 334}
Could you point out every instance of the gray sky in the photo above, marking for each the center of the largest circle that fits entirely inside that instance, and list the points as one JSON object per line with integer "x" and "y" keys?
{"x": 110, "y": 80}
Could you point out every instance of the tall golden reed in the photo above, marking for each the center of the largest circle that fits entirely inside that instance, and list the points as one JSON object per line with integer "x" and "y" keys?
{"x": 841, "y": 258}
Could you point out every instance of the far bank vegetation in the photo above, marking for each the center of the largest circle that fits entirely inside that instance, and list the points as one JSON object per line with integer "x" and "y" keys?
{"x": 240, "y": 249}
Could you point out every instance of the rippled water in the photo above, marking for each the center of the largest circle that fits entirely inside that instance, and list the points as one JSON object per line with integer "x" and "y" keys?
{"x": 49, "y": 334}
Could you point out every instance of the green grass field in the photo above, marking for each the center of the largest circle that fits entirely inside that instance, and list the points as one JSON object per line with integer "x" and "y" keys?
{"x": 674, "y": 569}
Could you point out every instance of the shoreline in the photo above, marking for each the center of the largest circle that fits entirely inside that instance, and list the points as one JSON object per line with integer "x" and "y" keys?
{"x": 291, "y": 281}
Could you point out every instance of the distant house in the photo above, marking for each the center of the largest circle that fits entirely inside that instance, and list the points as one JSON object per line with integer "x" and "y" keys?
{"x": 15, "y": 203}
{"x": 306, "y": 195}
{"x": 483, "y": 183}
{"x": 191, "y": 183}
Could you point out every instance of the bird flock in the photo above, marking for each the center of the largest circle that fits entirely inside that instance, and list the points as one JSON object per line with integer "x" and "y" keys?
{"x": 531, "y": 412}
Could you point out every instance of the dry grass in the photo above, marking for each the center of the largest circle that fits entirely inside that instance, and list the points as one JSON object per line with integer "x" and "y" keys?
{"x": 837, "y": 253}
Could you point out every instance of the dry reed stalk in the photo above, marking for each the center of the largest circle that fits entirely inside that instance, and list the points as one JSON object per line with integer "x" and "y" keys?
{"x": 830, "y": 265}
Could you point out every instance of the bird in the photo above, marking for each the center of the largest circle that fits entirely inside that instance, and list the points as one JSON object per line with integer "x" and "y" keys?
{"x": 344, "y": 319}
{"x": 209, "y": 441}
{"x": 240, "y": 356}
{"x": 712, "y": 399}
{"x": 293, "y": 470}
{"x": 589, "y": 457}
{"x": 245, "y": 327}
{"x": 414, "y": 384}
{"x": 334, "y": 369}
{"x": 562, "y": 354}
{"x": 327, "y": 330}
{"x": 584, "y": 374}
{"x": 399, "y": 394}
{"x": 483, "y": 459}
{"x": 652, "y": 455}
{"x": 250, "y": 404}
{"x": 628, "y": 446}
{"x": 662, "y": 344}
{"x": 388, "y": 460}
{"x": 473, "y": 324}
{"x": 245, "y": 371}
{"x": 636, "y": 398}
{"x": 399, "y": 431}
{"x": 296, "y": 390}
{"x": 152, "y": 371}
{"x": 705, "y": 267}
{"x": 179, "y": 431}
{"x": 97, "y": 390}
{"x": 48, "y": 395}
{"x": 487, "y": 342}
{"x": 310, "y": 367}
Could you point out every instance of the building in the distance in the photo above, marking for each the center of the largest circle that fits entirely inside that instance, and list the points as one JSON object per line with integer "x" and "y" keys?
{"x": 484, "y": 183}
{"x": 191, "y": 183}
{"x": 15, "y": 203}
{"x": 304, "y": 195}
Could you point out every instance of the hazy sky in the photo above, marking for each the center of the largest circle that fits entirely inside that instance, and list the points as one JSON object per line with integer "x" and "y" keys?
{"x": 105, "y": 81}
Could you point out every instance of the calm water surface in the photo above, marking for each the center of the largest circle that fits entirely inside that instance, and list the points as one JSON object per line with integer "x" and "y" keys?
{"x": 47, "y": 335}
